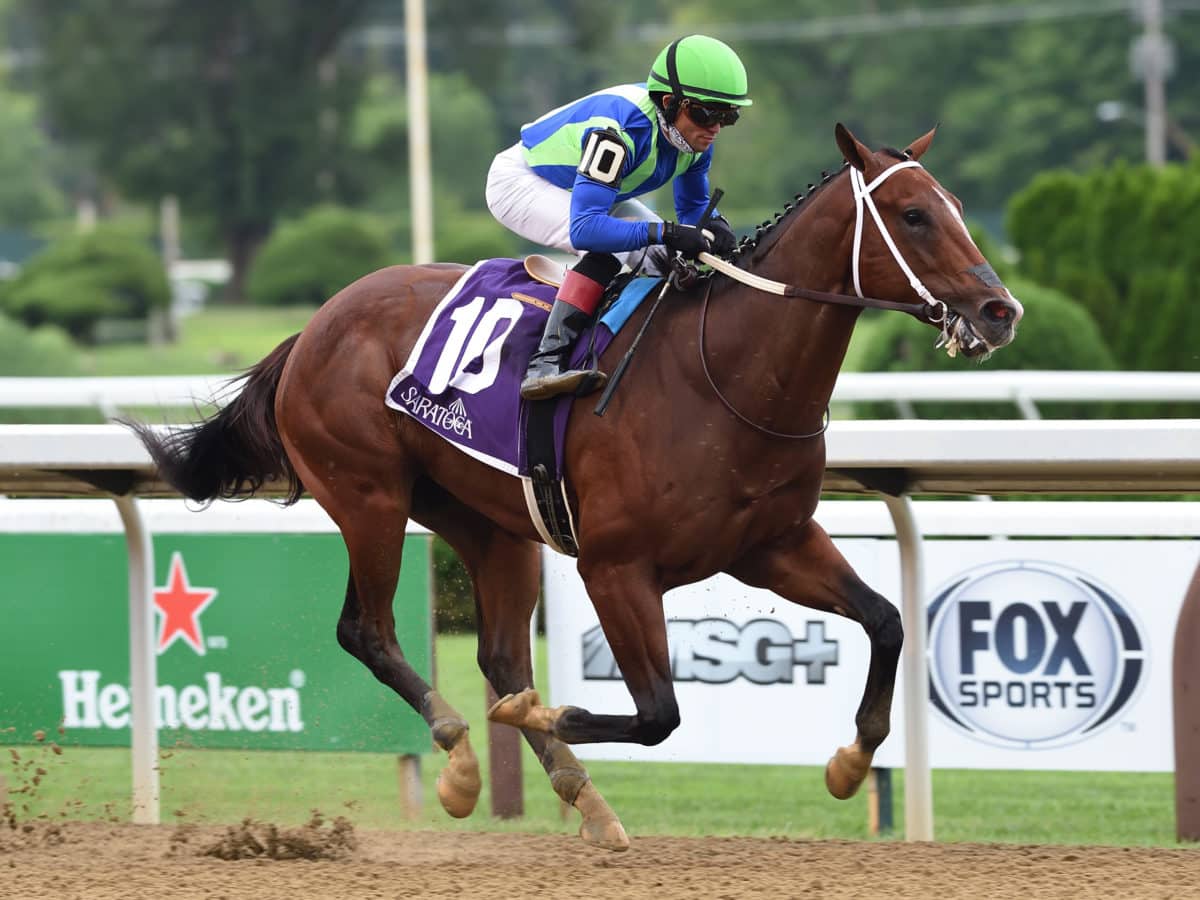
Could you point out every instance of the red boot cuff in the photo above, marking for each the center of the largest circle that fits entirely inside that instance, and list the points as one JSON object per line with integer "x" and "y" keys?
{"x": 580, "y": 291}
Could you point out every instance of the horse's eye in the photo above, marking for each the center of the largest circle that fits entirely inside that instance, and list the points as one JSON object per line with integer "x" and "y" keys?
{"x": 914, "y": 216}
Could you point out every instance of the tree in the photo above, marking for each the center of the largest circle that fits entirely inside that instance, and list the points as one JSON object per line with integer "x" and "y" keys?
{"x": 28, "y": 195}
{"x": 234, "y": 107}
{"x": 464, "y": 139}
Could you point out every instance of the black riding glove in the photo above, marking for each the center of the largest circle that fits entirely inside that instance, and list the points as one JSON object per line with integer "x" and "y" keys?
{"x": 687, "y": 239}
{"x": 724, "y": 240}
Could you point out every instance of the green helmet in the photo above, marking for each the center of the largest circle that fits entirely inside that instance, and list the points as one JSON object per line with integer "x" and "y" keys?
{"x": 702, "y": 68}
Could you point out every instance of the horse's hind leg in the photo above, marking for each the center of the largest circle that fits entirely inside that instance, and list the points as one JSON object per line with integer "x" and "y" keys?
{"x": 506, "y": 573}
{"x": 371, "y": 509}
{"x": 806, "y": 568}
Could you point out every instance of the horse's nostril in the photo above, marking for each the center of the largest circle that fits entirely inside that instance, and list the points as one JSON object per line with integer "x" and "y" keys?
{"x": 998, "y": 311}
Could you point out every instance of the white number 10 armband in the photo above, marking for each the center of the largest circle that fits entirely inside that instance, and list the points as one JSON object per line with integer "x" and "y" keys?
{"x": 603, "y": 156}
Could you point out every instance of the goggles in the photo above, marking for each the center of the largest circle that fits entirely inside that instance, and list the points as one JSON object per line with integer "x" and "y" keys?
{"x": 708, "y": 116}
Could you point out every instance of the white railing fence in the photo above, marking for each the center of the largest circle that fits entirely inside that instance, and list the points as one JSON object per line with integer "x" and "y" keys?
{"x": 1019, "y": 388}
{"x": 1022, "y": 390}
{"x": 112, "y": 394}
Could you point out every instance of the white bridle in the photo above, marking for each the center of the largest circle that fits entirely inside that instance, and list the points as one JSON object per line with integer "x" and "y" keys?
{"x": 863, "y": 199}
{"x": 936, "y": 309}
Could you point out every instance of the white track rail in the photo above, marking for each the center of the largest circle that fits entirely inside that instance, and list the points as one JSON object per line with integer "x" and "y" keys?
{"x": 1022, "y": 389}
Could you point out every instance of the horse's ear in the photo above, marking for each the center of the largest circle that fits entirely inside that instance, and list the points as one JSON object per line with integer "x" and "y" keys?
{"x": 855, "y": 151}
{"x": 918, "y": 147}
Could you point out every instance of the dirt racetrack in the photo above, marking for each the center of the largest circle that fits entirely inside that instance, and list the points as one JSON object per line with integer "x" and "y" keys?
{"x": 102, "y": 861}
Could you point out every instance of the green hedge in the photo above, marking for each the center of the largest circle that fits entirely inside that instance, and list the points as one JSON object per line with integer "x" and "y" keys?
{"x": 307, "y": 261}
{"x": 466, "y": 237}
{"x": 1122, "y": 241}
{"x": 37, "y": 351}
{"x": 80, "y": 279}
{"x": 40, "y": 351}
{"x": 1055, "y": 333}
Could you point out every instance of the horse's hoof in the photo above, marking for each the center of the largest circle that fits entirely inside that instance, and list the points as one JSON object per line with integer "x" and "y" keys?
{"x": 514, "y": 709}
{"x": 458, "y": 785}
{"x": 605, "y": 835}
{"x": 846, "y": 770}
{"x": 600, "y": 826}
{"x": 458, "y": 794}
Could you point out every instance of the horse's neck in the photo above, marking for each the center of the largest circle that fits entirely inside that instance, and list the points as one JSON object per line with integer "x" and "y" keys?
{"x": 795, "y": 346}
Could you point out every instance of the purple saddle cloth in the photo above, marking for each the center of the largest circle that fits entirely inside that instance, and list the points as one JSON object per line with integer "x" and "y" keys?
{"x": 462, "y": 380}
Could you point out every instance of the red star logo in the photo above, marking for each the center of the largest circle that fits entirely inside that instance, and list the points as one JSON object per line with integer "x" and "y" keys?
{"x": 181, "y": 605}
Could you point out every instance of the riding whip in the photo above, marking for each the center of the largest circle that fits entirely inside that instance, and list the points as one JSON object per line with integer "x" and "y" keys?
{"x": 625, "y": 360}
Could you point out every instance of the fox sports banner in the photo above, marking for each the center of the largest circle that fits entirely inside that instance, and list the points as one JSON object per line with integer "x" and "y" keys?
{"x": 1042, "y": 655}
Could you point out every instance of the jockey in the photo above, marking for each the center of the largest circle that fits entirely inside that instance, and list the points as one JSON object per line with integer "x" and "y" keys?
{"x": 570, "y": 183}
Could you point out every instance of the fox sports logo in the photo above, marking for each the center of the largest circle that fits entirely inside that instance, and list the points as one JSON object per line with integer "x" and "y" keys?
{"x": 1032, "y": 655}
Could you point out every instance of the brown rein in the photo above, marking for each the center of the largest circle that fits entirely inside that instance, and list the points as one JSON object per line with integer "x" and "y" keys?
{"x": 729, "y": 406}
{"x": 921, "y": 313}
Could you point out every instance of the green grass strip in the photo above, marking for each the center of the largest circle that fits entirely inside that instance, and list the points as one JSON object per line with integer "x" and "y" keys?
{"x": 218, "y": 786}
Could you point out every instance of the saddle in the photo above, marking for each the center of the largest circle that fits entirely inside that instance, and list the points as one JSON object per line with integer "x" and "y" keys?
{"x": 544, "y": 269}
{"x": 462, "y": 376}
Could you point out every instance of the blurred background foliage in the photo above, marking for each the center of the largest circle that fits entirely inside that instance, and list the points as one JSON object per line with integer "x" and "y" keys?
{"x": 1056, "y": 333}
{"x": 307, "y": 261}
{"x": 252, "y": 113}
{"x": 106, "y": 273}
{"x": 1123, "y": 239}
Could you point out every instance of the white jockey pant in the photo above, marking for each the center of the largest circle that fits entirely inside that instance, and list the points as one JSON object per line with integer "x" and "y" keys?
{"x": 524, "y": 202}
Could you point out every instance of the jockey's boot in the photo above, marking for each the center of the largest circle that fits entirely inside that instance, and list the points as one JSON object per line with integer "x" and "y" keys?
{"x": 574, "y": 306}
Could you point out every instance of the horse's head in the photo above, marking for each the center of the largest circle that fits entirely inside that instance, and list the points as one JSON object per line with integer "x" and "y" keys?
{"x": 911, "y": 242}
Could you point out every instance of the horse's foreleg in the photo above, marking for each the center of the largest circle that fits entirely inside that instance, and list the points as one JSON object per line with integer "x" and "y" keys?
{"x": 506, "y": 573}
{"x": 806, "y": 568}
{"x": 629, "y": 604}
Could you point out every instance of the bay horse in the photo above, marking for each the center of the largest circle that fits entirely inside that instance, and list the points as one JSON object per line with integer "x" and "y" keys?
{"x": 709, "y": 459}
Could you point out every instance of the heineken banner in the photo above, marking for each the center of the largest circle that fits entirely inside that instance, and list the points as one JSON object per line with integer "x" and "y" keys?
{"x": 246, "y": 635}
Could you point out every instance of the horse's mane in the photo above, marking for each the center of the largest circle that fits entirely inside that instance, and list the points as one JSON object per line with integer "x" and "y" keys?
{"x": 768, "y": 232}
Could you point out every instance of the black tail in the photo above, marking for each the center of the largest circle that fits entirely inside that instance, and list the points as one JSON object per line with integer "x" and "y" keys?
{"x": 235, "y": 452}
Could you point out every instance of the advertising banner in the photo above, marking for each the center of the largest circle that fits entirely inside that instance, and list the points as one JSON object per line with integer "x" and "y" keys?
{"x": 758, "y": 679}
{"x": 1043, "y": 654}
{"x": 246, "y": 637}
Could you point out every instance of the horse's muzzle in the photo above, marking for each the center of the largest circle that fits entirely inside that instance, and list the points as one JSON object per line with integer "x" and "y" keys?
{"x": 1003, "y": 311}
{"x": 993, "y": 326}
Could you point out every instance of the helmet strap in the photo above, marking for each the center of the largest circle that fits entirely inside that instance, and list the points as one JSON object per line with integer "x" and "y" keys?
{"x": 673, "y": 135}
{"x": 672, "y": 111}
